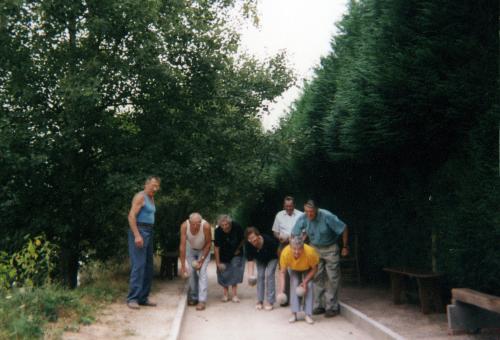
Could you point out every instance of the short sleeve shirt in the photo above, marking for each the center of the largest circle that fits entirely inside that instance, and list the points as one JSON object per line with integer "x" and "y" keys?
{"x": 307, "y": 260}
{"x": 268, "y": 252}
{"x": 324, "y": 230}
{"x": 283, "y": 223}
{"x": 228, "y": 242}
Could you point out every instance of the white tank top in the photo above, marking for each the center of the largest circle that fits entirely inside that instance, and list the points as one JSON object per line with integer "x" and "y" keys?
{"x": 196, "y": 241}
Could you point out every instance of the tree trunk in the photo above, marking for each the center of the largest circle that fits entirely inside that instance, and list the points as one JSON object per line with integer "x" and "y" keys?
{"x": 69, "y": 267}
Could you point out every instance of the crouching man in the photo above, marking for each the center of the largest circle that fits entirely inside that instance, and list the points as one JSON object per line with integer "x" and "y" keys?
{"x": 301, "y": 261}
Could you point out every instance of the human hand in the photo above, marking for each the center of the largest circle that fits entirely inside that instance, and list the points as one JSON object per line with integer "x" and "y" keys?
{"x": 200, "y": 263}
{"x": 303, "y": 285}
{"x": 139, "y": 242}
{"x": 344, "y": 252}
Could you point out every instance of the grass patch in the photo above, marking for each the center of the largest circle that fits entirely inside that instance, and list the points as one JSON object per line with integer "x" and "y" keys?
{"x": 47, "y": 312}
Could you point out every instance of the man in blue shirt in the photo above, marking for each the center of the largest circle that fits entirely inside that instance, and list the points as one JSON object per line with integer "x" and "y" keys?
{"x": 323, "y": 230}
{"x": 141, "y": 219}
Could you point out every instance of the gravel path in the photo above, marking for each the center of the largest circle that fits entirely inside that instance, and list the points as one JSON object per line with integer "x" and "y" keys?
{"x": 241, "y": 321}
{"x": 117, "y": 321}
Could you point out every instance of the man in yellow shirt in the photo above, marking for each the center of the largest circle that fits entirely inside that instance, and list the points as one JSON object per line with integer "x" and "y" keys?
{"x": 301, "y": 261}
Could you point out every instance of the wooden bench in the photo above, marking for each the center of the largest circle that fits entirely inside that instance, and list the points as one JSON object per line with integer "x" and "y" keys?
{"x": 429, "y": 291}
{"x": 472, "y": 311}
{"x": 169, "y": 264}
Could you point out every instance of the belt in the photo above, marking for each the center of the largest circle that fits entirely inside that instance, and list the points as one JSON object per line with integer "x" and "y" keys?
{"x": 142, "y": 224}
{"x": 327, "y": 246}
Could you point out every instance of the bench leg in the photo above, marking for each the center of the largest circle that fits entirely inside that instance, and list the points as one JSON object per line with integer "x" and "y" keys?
{"x": 466, "y": 318}
{"x": 424, "y": 295}
{"x": 397, "y": 286}
{"x": 430, "y": 295}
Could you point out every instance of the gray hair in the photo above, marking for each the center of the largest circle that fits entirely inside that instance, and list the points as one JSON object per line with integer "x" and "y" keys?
{"x": 194, "y": 216}
{"x": 311, "y": 204}
{"x": 296, "y": 242}
{"x": 153, "y": 177}
{"x": 224, "y": 218}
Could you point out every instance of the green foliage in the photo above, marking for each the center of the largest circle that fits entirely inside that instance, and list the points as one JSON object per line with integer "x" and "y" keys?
{"x": 36, "y": 313}
{"x": 32, "y": 266}
{"x": 397, "y": 135}
{"x": 97, "y": 95}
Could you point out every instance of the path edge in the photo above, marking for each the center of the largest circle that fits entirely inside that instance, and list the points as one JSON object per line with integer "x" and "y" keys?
{"x": 372, "y": 327}
{"x": 176, "y": 326}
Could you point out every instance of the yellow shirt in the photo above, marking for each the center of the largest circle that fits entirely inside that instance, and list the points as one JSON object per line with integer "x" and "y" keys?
{"x": 308, "y": 259}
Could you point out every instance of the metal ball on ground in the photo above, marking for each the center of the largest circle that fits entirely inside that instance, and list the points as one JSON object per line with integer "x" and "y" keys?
{"x": 252, "y": 281}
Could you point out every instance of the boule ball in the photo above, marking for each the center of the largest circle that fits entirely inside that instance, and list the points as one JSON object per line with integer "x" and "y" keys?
{"x": 300, "y": 291}
{"x": 252, "y": 280}
{"x": 185, "y": 275}
{"x": 195, "y": 264}
{"x": 222, "y": 267}
{"x": 282, "y": 299}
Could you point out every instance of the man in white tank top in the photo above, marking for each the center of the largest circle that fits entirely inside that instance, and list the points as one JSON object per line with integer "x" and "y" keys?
{"x": 196, "y": 239}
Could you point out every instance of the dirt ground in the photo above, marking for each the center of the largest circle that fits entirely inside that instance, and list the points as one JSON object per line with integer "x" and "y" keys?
{"x": 406, "y": 319}
{"x": 241, "y": 321}
{"x": 117, "y": 321}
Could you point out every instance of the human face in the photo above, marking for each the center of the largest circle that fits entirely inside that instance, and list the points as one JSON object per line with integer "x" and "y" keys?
{"x": 151, "y": 187}
{"x": 196, "y": 223}
{"x": 297, "y": 252}
{"x": 310, "y": 212}
{"x": 226, "y": 226}
{"x": 289, "y": 207}
{"x": 254, "y": 240}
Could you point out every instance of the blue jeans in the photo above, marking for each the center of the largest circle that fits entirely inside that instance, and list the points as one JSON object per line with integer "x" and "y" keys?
{"x": 265, "y": 279}
{"x": 305, "y": 303}
{"x": 141, "y": 266}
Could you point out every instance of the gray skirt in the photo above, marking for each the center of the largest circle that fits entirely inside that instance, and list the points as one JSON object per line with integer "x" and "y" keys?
{"x": 233, "y": 273}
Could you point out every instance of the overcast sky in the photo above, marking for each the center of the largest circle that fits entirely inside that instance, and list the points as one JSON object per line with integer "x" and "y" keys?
{"x": 302, "y": 27}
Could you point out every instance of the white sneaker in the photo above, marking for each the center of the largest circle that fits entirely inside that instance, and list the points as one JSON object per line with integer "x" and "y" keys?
{"x": 258, "y": 306}
{"x": 268, "y": 306}
{"x": 293, "y": 318}
{"x": 309, "y": 320}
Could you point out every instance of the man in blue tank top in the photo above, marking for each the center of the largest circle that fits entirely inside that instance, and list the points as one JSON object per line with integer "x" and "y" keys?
{"x": 141, "y": 219}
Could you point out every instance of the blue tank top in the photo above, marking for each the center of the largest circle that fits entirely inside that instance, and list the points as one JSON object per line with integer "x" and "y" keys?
{"x": 147, "y": 212}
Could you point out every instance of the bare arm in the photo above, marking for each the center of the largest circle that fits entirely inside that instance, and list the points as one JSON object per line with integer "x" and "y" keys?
{"x": 309, "y": 277}
{"x": 137, "y": 204}
{"x": 251, "y": 268}
{"x": 282, "y": 280}
{"x": 345, "y": 242}
{"x": 217, "y": 256}
{"x": 208, "y": 243}
{"x": 182, "y": 247}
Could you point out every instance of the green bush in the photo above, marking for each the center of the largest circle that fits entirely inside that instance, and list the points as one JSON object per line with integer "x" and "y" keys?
{"x": 25, "y": 312}
{"x": 29, "y": 267}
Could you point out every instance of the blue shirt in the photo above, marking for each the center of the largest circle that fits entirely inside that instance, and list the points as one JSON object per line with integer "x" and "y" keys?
{"x": 147, "y": 212}
{"x": 324, "y": 230}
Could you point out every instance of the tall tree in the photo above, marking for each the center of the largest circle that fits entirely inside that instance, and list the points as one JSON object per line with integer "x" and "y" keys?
{"x": 97, "y": 94}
